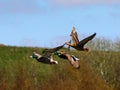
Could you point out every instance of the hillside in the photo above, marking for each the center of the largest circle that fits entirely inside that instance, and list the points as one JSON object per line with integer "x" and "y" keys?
{"x": 98, "y": 71}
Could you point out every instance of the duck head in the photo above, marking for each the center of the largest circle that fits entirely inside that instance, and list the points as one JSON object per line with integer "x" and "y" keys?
{"x": 35, "y": 55}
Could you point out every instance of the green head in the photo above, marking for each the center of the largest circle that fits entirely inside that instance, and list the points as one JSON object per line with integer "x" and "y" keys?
{"x": 56, "y": 53}
{"x": 35, "y": 55}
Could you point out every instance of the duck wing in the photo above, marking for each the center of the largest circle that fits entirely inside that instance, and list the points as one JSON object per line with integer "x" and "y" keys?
{"x": 84, "y": 41}
{"x": 74, "y": 36}
{"x": 48, "y": 52}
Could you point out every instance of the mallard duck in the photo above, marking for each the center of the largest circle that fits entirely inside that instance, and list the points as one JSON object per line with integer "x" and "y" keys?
{"x": 79, "y": 45}
{"x": 71, "y": 58}
{"x": 47, "y": 55}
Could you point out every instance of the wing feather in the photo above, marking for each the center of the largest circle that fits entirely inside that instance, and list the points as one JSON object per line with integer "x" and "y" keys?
{"x": 48, "y": 52}
{"x": 84, "y": 41}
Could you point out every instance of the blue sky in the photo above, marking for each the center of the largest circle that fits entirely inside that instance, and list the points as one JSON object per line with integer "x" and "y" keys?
{"x": 47, "y": 23}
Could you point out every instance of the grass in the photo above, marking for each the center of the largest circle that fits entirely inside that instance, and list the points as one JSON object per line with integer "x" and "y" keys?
{"x": 98, "y": 71}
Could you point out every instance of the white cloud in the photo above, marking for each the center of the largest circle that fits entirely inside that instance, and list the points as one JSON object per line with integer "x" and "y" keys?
{"x": 19, "y": 6}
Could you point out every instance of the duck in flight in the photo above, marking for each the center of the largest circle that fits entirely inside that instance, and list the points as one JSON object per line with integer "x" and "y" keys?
{"x": 71, "y": 58}
{"x": 79, "y": 45}
{"x": 46, "y": 57}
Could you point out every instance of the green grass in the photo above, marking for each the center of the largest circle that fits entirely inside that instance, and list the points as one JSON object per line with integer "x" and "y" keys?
{"x": 98, "y": 71}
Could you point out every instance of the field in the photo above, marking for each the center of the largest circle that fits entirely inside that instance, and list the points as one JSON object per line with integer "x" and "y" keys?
{"x": 99, "y": 70}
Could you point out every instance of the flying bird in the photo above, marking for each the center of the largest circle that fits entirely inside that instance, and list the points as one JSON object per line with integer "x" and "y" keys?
{"x": 71, "y": 58}
{"x": 46, "y": 56}
{"x": 79, "y": 45}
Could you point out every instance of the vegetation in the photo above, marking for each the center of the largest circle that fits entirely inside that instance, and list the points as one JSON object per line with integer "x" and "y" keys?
{"x": 100, "y": 70}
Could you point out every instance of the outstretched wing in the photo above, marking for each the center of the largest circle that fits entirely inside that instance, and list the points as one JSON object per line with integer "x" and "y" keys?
{"x": 74, "y": 36}
{"x": 48, "y": 52}
{"x": 84, "y": 41}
